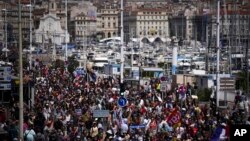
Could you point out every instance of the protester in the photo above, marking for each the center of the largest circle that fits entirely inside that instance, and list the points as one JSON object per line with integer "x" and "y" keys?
{"x": 65, "y": 103}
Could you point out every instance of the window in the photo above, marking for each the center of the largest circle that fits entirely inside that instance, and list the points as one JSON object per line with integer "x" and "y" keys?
{"x": 108, "y": 24}
{"x": 102, "y": 25}
{"x": 114, "y": 25}
{"x": 108, "y": 18}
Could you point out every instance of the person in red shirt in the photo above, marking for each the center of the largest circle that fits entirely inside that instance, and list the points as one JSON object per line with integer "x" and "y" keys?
{"x": 2, "y": 115}
{"x": 227, "y": 128}
{"x": 153, "y": 127}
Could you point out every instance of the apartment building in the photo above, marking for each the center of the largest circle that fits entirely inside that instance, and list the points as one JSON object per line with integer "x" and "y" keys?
{"x": 108, "y": 20}
{"x": 11, "y": 11}
{"x": 2, "y": 23}
{"x": 82, "y": 21}
{"x": 182, "y": 24}
{"x": 146, "y": 22}
{"x": 84, "y": 27}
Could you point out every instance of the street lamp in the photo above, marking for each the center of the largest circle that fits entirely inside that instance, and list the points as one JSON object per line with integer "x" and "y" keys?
{"x": 20, "y": 73}
{"x": 122, "y": 47}
{"x": 66, "y": 34}
{"x": 5, "y": 30}
{"x": 30, "y": 22}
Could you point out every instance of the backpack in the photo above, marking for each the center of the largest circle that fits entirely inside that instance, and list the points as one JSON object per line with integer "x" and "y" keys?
{"x": 25, "y": 136}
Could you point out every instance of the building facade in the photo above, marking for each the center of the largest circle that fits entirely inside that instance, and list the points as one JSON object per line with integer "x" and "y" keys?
{"x": 83, "y": 25}
{"x": 183, "y": 24}
{"x": 50, "y": 31}
{"x": 108, "y": 23}
{"x": 84, "y": 28}
{"x": 146, "y": 22}
{"x": 11, "y": 11}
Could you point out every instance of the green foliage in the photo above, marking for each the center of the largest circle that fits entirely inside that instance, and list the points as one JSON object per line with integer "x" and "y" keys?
{"x": 241, "y": 81}
{"x": 73, "y": 64}
{"x": 204, "y": 94}
{"x": 161, "y": 65}
{"x": 58, "y": 63}
{"x": 25, "y": 62}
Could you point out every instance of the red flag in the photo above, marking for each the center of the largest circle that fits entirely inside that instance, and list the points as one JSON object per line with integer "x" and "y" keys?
{"x": 174, "y": 117}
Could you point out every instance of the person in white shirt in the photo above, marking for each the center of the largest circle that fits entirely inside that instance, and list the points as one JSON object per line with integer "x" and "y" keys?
{"x": 223, "y": 136}
{"x": 30, "y": 134}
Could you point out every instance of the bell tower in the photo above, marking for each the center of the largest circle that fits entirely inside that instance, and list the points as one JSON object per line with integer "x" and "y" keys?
{"x": 52, "y": 6}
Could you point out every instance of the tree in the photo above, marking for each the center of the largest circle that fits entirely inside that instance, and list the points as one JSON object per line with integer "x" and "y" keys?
{"x": 73, "y": 64}
{"x": 241, "y": 81}
{"x": 58, "y": 64}
{"x": 204, "y": 94}
{"x": 161, "y": 65}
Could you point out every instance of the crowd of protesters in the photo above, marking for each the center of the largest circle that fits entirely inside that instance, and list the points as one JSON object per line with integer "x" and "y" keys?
{"x": 64, "y": 106}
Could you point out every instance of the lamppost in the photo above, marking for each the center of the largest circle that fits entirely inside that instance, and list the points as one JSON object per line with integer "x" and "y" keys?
{"x": 5, "y": 31}
{"x": 218, "y": 54}
{"x": 30, "y": 22}
{"x": 122, "y": 48}
{"x": 20, "y": 73}
{"x": 66, "y": 34}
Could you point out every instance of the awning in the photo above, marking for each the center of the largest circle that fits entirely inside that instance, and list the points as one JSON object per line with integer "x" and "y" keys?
{"x": 152, "y": 69}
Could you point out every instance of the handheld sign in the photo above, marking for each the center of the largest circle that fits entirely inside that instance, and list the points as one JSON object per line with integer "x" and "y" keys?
{"x": 100, "y": 113}
{"x": 122, "y": 101}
